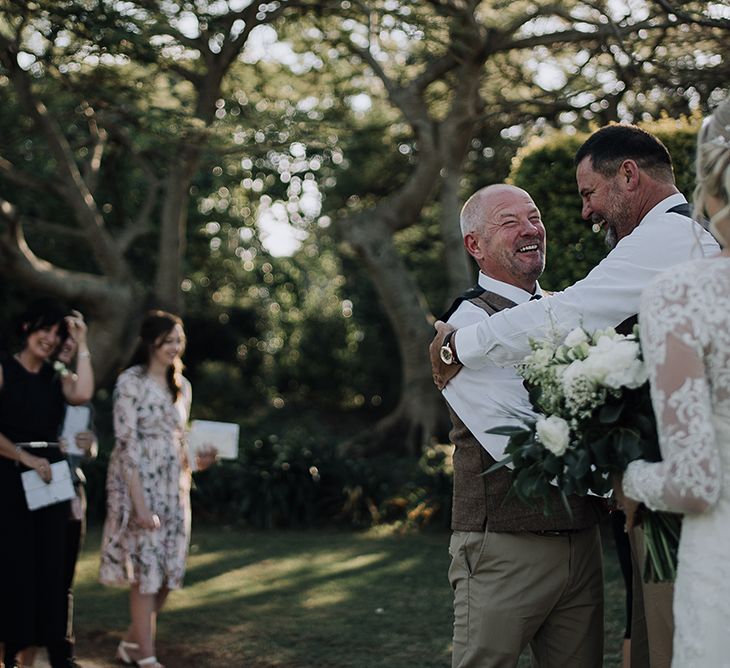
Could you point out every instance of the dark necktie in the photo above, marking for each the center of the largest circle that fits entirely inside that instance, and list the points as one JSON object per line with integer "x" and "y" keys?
{"x": 535, "y": 296}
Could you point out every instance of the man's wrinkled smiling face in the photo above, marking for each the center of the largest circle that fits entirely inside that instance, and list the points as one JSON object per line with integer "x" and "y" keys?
{"x": 605, "y": 202}
{"x": 510, "y": 245}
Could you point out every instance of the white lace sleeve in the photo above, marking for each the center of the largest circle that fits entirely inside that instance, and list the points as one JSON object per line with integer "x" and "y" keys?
{"x": 675, "y": 342}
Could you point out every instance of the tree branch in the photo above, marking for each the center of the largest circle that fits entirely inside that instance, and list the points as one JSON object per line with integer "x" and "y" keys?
{"x": 689, "y": 18}
{"x": 576, "y": 36}
{"x": 41, "y": 275}
{"x": 99, "y": 138}
{"x": 76, "y": 191}
{"x": 26, "y": 180}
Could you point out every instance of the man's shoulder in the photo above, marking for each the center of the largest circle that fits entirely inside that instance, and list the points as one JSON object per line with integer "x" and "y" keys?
{"x": 477, "y": 305}
{"x": 467, "y": 313}
{"x": 469, "y": 295}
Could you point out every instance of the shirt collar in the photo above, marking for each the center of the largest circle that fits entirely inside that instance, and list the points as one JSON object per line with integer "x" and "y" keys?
{"x": 664, "y": 206}
{"x": 511, "y": 292}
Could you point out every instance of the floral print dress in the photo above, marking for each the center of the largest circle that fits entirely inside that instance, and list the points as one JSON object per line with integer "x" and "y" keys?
{"x": 149, "y": 432}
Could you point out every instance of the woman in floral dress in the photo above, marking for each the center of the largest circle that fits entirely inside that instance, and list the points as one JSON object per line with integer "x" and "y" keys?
{"x": 147, "y": 527}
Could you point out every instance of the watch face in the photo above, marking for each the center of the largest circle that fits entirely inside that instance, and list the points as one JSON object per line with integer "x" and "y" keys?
{"x": 447, "y": 357}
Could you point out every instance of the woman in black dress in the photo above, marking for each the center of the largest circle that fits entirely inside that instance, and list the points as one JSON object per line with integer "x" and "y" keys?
{"x": 32, "y": 395}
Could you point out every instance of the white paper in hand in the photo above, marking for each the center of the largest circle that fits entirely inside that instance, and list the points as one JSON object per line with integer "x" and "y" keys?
{"x": 221, "y": 435}
{"x": 76, "y": 421}
{"x": 39, "y": 494}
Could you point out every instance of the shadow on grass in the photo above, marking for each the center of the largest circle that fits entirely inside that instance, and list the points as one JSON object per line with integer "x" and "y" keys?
{"x": 300, "y": 599}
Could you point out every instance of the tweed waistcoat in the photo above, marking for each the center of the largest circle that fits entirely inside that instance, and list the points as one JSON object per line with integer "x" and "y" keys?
{"x": 481, "y": 501}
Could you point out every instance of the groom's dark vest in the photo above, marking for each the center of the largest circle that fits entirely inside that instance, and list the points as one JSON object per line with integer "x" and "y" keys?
{"x": 480, "y": 501}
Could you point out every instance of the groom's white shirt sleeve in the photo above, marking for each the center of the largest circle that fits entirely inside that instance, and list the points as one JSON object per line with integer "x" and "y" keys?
{"x": 491, "y": 396}
{"x": 608, "y": 295}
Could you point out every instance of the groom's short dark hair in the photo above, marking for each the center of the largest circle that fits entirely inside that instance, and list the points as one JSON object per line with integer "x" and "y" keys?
{"x": 611, "y": 145}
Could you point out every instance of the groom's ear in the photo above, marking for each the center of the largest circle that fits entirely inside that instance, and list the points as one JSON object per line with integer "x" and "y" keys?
{"x": 629, "y": 174}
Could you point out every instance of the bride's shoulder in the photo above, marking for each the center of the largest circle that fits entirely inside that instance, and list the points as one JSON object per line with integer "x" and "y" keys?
{"x": 692, "y": 282}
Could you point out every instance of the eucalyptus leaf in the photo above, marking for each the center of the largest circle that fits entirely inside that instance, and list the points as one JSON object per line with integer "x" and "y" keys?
{"x": 508, "y": 430}
{"x": 629, "y": 443}
{"x": 610, "y": 413}
{"x": 497, "y": 465}
{"x": 523, "y": 438}
{"x": 566, "y": 505}
{"x": 601, "y": 451}
{"x": 553, "y": 465}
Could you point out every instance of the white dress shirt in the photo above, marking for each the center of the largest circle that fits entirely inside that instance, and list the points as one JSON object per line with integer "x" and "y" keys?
{"x": 605, "y": 298}
{"x": 491, "y": 396}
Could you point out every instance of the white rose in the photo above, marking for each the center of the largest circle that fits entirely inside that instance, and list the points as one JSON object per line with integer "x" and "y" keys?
{"x": 598, "y": 365}
{"x": 554, "y": 434}
{"x": 633, "y": 376}
{"x": 576, "y": 337}
{"x": 615, "y": 363}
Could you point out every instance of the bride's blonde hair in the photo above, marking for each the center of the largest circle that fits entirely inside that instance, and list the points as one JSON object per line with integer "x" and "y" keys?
{"x": 713, "y": 169}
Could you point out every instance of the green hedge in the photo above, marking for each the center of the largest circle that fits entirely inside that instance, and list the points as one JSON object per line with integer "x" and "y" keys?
{"x": 299, "y": 481}
{"x": 293, "y": 479}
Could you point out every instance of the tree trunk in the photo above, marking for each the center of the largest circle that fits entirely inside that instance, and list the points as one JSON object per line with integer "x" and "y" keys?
{"x": 420, "y": 411}
{"x": 458, "y": 264}
{"x": 113, "y": 329}
{"x": 173, "y": 231}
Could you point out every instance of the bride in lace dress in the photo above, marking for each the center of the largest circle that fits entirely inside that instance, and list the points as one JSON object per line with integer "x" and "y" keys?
{"x": 685, "y": 326}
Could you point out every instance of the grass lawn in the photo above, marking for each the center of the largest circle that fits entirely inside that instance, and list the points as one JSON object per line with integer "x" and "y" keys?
{"x": 303, "y": 599}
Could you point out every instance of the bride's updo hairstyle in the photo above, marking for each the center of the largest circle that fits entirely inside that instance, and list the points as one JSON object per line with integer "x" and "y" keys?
{"x": 713, "y": 170}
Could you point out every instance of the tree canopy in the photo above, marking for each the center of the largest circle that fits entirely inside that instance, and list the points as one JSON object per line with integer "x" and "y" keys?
{"x": 149, "y": 148}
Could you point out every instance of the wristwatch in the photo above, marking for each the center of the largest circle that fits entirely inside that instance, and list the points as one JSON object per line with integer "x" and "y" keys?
{"x": 447, "y": 353}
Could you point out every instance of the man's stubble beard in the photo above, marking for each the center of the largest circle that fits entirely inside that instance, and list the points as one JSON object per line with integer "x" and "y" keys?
{"x": 611, "y": 238}
{"x": 616, "y": 219}
{"x": 534, "y": 273}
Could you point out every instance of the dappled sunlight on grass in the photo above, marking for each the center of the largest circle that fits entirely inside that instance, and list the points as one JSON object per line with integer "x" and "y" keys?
{"x": 322, "y": 600}
{"x": 319, "y": 598}
{"x": 304, "y": 599}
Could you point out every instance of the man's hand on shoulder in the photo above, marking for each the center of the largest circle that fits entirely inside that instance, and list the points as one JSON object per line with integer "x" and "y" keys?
{"x": 443, "y": 371}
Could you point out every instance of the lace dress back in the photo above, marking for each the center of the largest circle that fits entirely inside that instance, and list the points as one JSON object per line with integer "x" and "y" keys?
{"x": 685, "y": 330}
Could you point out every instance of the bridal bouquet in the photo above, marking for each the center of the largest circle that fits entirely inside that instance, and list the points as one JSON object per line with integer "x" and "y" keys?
{"x": 591, "y": 394}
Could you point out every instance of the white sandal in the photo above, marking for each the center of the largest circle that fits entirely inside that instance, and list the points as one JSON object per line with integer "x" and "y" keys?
{"x": 122, "y": 654}
{"x": 150, "y": 661}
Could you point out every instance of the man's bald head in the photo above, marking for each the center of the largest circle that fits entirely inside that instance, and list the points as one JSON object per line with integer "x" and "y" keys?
{"x": 504, "y": 234}
{"x": 475, "y": 208}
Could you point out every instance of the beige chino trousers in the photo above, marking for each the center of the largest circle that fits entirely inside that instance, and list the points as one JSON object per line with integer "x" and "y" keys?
{"x": 512, "y": 590}
{"x": 652, "y": 622}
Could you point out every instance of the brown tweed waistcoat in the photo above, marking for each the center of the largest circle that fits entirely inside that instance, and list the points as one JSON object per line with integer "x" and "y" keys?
{"x": 480, "y": 501}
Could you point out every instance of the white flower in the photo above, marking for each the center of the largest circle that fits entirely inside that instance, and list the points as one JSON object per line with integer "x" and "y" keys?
{"x": 632, "y": 376}
{"x": 615, "y": 363}
{"x": 576, "y": 373}
{"x": 576, "y": 337}
{"x": 554, "y": 434}
{"x": 60, "y": 368}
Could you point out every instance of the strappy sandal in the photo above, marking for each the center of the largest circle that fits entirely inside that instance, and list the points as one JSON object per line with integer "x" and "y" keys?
{"x": 122, "y": 654}
{"x": 150, "y": 661}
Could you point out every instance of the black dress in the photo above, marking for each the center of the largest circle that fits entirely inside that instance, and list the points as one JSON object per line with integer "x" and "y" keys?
{"x": 32, "y": 544}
